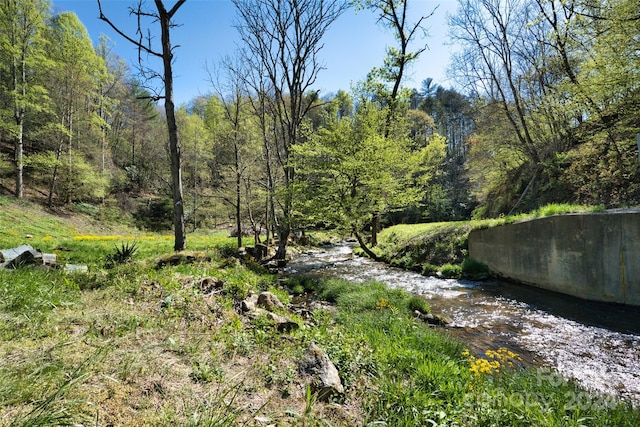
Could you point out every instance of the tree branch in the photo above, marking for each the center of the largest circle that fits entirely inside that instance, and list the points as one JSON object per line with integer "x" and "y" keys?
{"x": 137, "y": 43}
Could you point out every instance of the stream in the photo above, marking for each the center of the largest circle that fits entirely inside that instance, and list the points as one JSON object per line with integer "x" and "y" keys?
{"x": 595, "y": 344}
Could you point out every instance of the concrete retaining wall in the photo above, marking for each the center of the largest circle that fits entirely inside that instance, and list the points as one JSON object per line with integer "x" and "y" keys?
{"x": 595, "y": 256}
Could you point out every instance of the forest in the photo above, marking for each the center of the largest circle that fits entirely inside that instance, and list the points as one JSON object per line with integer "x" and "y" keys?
{"x": 545, "y": 109}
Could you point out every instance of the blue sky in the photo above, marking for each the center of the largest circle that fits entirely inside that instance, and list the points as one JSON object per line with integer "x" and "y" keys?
{"x": 352, "y": 46}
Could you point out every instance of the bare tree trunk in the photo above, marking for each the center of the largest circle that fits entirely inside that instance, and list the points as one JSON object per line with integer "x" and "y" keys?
{"x": 180, "y": 242}
{"x": 365, "y": 248}
{"x": 164, "y": 17}
{"x": 238, "y": 200}
{"x": 54, "y": 178}
{"x": 375, "y": 227}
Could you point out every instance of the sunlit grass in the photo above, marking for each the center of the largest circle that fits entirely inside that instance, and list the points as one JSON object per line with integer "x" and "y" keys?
{"x": 430, "y": 246}
{"x": 142, "y": 344}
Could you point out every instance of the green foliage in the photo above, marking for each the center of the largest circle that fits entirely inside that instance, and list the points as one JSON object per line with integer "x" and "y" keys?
{"x": 474, "y": 270}
{"x": 451, "y": 271}
{"x": 156, "y": 215}
{"x": 300, "y": 284}
{"x": 122, "y": 254}
{"x": 350, "y": 169}
{"x": 418, "y": 303}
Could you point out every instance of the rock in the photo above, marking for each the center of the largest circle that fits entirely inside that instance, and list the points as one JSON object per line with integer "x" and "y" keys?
{"x": 210, "y": 284}
{"x": 433, "y": 319}
{"x": 282, "y": 323}
{"x": 249, "y": 304}
{"x": 275, "y": 264}
{"x": 269, "y": 302}
{"x": 325, "y": 380}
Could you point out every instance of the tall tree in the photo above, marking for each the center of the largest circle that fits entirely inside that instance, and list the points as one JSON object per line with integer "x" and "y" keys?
{"x": 73, "y": 84}
{"x": 350, "y": 168}
{"x": 22, "y": 53}
{"x": 197, "y": 141}
{"x": 164, "y": 18}
{"x": 393, "y": 15}
{"x": 283, "y": 38}
{"x": 236, "y": 137}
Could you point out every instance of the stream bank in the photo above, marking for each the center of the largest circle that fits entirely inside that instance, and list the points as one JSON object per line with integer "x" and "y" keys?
{"x": 595, "y": 344}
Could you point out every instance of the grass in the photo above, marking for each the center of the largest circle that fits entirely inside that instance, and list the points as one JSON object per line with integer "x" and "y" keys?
{"x": 442, "y": 247}
{"x": 139, "y": 344}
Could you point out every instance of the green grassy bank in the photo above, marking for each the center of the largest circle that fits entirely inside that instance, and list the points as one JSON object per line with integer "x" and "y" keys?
{"x": 442, "y": 247}
{"x": 146, "y": 343}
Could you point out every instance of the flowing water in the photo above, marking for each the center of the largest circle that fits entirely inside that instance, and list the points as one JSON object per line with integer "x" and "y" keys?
{"x": 595, "y": 344}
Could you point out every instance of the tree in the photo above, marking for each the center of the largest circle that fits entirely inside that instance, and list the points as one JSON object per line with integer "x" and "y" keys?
{"x": 72, "y": 86}
{"x": 197, "y": 140}
{"x": 23, "y": 58}
{"x": 108, "y": 90}
{"x": 235, "y": 138}
{"x": 393, "y": 15}
{"x": 349, "y": 169}
{"x": 134, "y": 131}
{"x": 283, "y": 39}
{"x": 553, "y": 68}
{"x": 164, "y": 18}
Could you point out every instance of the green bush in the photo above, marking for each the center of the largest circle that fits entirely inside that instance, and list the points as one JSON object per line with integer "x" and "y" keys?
{"x": 451, "y": 271}
{"x": 429, "y": 269}
{"x": 474, "y": 270}
{"x": 157, "y": 215}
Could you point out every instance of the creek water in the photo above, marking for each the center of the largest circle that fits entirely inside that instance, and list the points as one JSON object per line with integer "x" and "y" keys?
{"x": 595, "y": 344}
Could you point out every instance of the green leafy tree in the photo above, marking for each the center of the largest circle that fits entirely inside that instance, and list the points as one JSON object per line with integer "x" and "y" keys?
{"x": 22, "y": 61}
{"x": 73, "y": 85}
{"x": 288, "y": 65}
{"x": 198, "y": 153}
{"x": 349, "y": 169}
{"x": 238, "y": 150}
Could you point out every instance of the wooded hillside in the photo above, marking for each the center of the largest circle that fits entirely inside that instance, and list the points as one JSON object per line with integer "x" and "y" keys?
{"x": 545, "y": 110}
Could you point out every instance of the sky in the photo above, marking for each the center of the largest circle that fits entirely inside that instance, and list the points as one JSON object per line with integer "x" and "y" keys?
{"x": 353, "y": 45}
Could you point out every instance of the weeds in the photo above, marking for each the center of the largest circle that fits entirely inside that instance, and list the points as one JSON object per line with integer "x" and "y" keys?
{"x": 122, "y": 254}
{"x": 166, "y": 354}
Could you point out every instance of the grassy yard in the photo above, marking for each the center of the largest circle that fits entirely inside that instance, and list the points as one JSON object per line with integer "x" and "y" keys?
{"x": 145, "y": 343}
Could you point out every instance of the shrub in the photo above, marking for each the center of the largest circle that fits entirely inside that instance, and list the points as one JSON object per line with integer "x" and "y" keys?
{"x": 429, "y": 269}
{"x": 474, "y": 270}
{"x": 122, "y": 254}
{"x": 451, "y": 271}
{"x": 157, "y": 215}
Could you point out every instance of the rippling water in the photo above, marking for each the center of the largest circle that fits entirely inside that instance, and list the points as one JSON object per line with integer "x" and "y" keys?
{"x": 595, "y": 344}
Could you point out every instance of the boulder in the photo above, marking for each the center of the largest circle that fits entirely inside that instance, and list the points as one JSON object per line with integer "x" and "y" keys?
{"x": 250, "y": 303}
{"x": 324, "y": 377}
{"x": 269, "y": 302}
